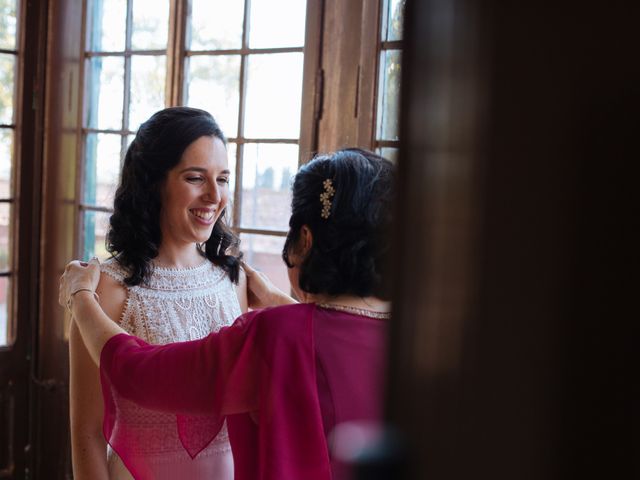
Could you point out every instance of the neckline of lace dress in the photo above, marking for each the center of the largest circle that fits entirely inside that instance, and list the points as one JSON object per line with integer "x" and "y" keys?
{"x": 174, "y": 270}
{"x": 183, "y": 279}
{"x": 172, "y": 279}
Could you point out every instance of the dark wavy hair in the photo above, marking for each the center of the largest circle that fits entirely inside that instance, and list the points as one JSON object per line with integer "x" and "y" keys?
{"x": 350, "y": 248}
{"x": 134, "y": 235}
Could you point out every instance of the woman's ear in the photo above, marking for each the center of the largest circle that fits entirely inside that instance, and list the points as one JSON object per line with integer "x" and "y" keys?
{"x": 306, "y": 240}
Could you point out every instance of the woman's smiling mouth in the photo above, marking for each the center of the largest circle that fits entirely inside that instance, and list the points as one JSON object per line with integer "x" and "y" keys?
{"x": 203, "y": 215}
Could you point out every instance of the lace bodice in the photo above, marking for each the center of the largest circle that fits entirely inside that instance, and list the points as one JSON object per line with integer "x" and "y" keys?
{"x": 173, "y": 305}
{"x": 177, "y": 305}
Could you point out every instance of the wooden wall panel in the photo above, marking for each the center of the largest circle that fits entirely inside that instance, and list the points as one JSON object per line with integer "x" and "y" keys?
{"x": 347, "y": 31}
{"x": 62, "y": 140}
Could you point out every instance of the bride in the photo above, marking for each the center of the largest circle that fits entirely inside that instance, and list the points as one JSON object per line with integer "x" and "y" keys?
{"x": 171, "y": 278}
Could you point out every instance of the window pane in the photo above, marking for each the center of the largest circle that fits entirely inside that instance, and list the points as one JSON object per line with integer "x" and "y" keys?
{"x": 277, "y": 23}
{"x": 390, "y": 153}
{"x": 266, "y": 185}
{"x": 6, "y": 157}
{"x": 215, "y": 24}
{"x": 105, "y": 85}
{"x": 389, "y": 95}
{"x": 107, "y": 23}
{"x": 7, "y": 76}
{"x": 5, "y": 308}
{"x": 102, "y": 168}
{"x": 5, "y": 236}
{"x": 8, "y": 22}
{"x": 150, "y": 24}
{"x": 147, "y": 88}
{"x": 95, "y": 230}
{"x": 213, "y": 84}
{"x": 274, "y": 93}
{"x": 264, "y": 252}
{"x": 392, "y": 20}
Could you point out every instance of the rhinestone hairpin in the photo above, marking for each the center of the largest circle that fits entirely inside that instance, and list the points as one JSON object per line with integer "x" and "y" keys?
{"x": 325, "y": 198}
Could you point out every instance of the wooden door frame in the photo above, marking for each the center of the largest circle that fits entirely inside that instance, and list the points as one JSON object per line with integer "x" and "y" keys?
{"x": 17, "y": 360}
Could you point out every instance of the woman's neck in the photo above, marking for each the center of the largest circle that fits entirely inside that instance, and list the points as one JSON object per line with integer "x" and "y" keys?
{"x": 171, "y": 256}
{"x": 374, "y": 304}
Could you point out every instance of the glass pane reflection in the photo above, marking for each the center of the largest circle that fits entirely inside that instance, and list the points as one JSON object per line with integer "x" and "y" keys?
{"x": 102, "y": 168}
{"x": 8, "y": 24}
{"x": 5, "y": 236}
{"x": 277, "y": 24}
{"x": 215, "y": 24}
{"x": 5, "y": 308}
{"x": 147, "y": 88}
{"x": 213, "y": 85}
{"x": 105, "y": 84}
{"x": 388, "y": 95}
{"x": 107, "y": 24}
{"x": 264, "y": 252}
{"x": 150, "y": 24}
{"x": 95, "y": 230}
{"x": 392, "y": 20}
{"x": 390, "y": 153}
{"x": 274, "y": 93}
{"x": 7, "y": 79}
{"x": 266, "y": 185}
{"x": 6, "y": 161}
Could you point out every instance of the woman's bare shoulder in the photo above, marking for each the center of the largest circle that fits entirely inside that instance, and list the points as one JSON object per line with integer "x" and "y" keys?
{"x": 113, "y": 296}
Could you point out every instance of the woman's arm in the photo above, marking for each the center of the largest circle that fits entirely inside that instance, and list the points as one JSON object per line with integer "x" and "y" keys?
{"x": 89, "y": 449}
{"x": 88, "y": 446}
{"x": 187, "y": 377}
{"x": 77, "y": 287}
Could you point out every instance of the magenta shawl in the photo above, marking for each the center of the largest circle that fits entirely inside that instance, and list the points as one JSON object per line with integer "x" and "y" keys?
{"x": 259, "y": 374}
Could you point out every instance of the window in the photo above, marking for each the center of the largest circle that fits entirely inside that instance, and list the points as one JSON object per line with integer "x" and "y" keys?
{"x": 247, "y": 70}
{"x": 125, "y": 82}
{"x": 233, "y": 59}
{"x": 247, "y": 63}
{"x": 9, "y": 58}
{"x": 388, "y": 97}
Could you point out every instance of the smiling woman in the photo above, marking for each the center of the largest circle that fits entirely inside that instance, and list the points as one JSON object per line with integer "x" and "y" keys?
{"x": 195, "y": 193}
{"x": 170, "y": 279}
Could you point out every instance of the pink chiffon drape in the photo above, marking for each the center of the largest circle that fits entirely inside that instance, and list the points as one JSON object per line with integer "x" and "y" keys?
{"x": 261, "y": 375}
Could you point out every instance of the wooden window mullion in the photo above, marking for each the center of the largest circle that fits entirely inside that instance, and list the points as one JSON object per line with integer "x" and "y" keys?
{"x": 312, "y": 80}
{"x": 245, "y": 50}
{"x": 366, "y": 102}
{"x": 127, "y": 72}
{"x": 78, "y": 228}
{"x": 176, "y": 52}
{"x": 124, "y": 131}
{"x": 244, "y": 59}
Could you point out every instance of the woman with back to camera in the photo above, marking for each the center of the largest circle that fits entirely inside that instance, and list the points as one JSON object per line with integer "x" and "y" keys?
{"x": 170, "y": 279}
{"x": 283, "y": 377}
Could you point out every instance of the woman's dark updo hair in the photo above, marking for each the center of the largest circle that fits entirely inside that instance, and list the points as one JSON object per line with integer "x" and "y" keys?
{"x": 134, "y": 234}
{"x": 350, "y": 247}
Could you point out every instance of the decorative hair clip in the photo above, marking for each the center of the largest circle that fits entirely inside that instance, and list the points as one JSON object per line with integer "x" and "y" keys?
{"x": 325, "y": 198}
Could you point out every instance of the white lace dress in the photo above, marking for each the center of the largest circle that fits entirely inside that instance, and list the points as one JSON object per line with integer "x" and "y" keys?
{"x": 172, "y": 306}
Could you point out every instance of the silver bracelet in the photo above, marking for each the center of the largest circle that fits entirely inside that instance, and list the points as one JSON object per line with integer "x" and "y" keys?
{"x": 70, "y": 299}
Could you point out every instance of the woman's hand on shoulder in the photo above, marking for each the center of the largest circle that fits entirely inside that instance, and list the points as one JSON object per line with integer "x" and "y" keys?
{"x": 261, "y": 292}
{"x": 78, "y": 276}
